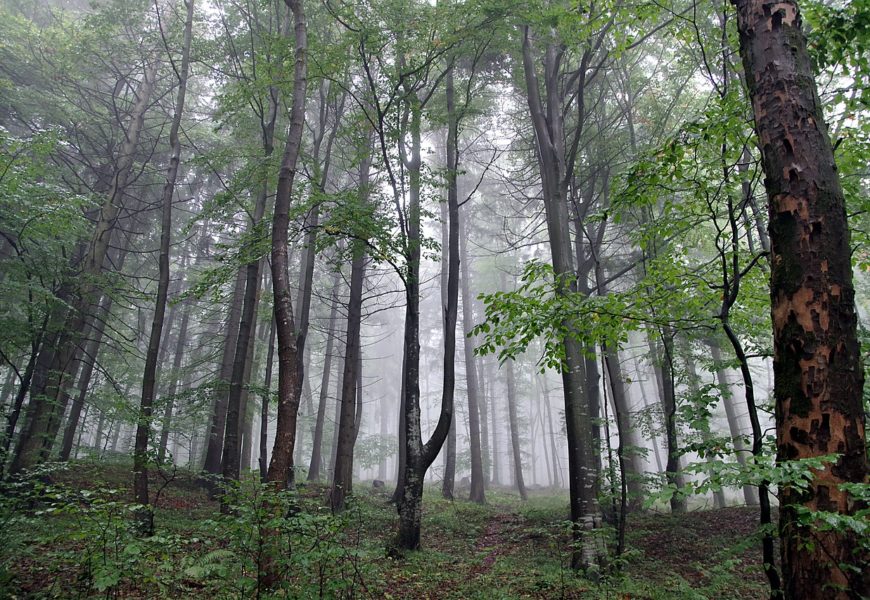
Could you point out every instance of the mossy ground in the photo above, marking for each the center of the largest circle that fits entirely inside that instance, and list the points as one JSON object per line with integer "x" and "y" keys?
{"x": 505, "y": 549}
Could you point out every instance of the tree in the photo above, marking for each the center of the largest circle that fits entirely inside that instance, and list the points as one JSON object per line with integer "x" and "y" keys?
{"x": 818, "y": 379}
{"x": 149, "y": 380}
{"x": 289, "y": 377}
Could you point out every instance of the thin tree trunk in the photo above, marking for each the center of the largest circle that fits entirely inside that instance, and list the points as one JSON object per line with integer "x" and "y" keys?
{"x": 630, "y": 445}
{"x": 484, "y": 421}
{"x": 669, "y": 404}
{"x": 242, "y": 361}
{"x": 289, "y": 377}
{"x": 554, "y": 448}
{"x": 42, "y": 420}
{"x": 515, "y": 430}
{"x": 450, "y": 284}
{"x": 419, "y": 456}
{"x": 264, "y": 406}
{"x": 478, "y": 479}
{"x": 750, "y": 492}
{"x": 694, "y": 388}
{"x": 177, "y": 358}
{"x": 343, "y": 474}
{"x": 89, "y": 360}
{"x": 497, "y": 474}
{"x": 218, "y": 424}
{"x": 145, "y": 517}
{"x": 314, "y": 465}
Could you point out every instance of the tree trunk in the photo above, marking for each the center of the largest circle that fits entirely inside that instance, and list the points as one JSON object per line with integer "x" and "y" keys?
{"x": 343, "y": 475}
{"x": 669, "y": 403}
{"x": 314, "y": 465}
{"x": 484, "y": 421}
{"x": 89, "y": 360}
{"x": 551, "y": 154}
{"x": 818, "y": 377}
{"x": 497, "y": 476}
{"x": 264, "y": 406}
{"x": 42, "y": 420}
{"x": 450, "y": 283}
{"x": 750, "y": 493}
{"x": 419, "y": 456}
{"x": 177, "y": 359}
{"x": 515, "y": 430}
{"x": 145, "y": 518}
{"x": 20, "y": 395}
{"x": 230, "y": 466}
{"x": 693, "y": 382}
{"x": 289, "y": 377}
{"x": 218, "y": 424}
{"x": 241, "y": 363}
{"x": 476, "y": 493}
{"x": 554, "y": 449}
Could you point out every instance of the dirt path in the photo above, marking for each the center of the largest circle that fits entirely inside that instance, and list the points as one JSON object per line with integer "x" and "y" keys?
{"x": 494, "y": 543}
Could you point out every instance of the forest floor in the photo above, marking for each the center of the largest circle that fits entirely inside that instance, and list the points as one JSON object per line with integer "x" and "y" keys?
{"x": 69, "y": 536}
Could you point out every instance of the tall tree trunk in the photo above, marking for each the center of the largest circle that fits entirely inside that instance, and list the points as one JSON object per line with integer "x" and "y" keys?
{"x": 554, "y": 449}
{"x": 484, "y": 421}
{"x": 42, "y": 420}
{"x": 750, "y": 493}
{"x": 218, "y": 421}
{"x": 450, "y": 283}
{"x": 23, "y": 388}
{"x": 478, "y": 479}
{"x": 177, "y": 358}
{"x": 669, "y": 404}
{"x": 145, "y": 518}
{"x": 555, "y": 175}
{"x": 314, "y": 466}
{"x": 694, "y": 388}
{"x": 241, "y": 362}
{"x": 629, "y": 442}
{"x": 818, "y": 378}
{"x": 419, "y": 456}
{"x": 497, "y": 476}
{"x": 264, "y": 403}
{"x": 289, "y": 377}
{"x": 449, "y": 480}
{"x": 230, "y": 467}
{"x": 89, "y": 360}
{"x": 342, "y": 476}
{"x": 515, "y": 430}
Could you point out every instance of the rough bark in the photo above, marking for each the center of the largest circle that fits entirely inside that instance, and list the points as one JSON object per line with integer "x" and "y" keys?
{"x": 818, "y": 378}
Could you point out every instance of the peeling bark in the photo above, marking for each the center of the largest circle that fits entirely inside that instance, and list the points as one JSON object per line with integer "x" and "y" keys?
{"x": 818, "y": 378}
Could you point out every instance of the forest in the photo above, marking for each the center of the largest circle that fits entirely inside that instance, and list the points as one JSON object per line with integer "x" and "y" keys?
{"x": 434, "y": 299}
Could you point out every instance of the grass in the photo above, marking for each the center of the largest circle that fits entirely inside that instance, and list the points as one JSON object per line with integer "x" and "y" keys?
{"x": 68, "y": 537}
